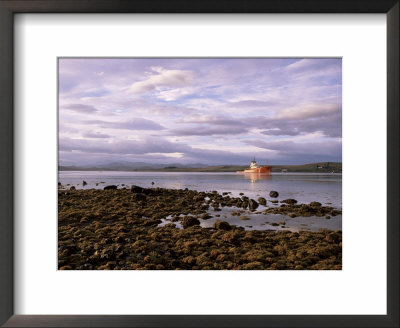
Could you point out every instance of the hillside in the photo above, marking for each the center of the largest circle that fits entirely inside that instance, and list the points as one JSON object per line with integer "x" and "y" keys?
{"x": 323, "y": 167}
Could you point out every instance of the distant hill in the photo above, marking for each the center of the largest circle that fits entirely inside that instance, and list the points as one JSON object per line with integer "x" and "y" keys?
{"x": 323, "y": 167}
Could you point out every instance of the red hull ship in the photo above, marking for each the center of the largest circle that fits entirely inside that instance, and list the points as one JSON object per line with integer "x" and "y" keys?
{"x": 254, "y": 168}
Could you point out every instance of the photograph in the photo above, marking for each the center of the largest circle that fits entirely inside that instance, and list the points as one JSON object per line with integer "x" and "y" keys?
{"x": 208, "y": 163}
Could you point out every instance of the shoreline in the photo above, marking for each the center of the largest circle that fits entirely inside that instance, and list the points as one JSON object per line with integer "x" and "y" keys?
{"x": 320, "y": 167}
{"x": 137, "y": 229}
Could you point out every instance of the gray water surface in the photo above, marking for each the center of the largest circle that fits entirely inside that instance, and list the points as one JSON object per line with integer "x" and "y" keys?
{"x": 304, "y": 187}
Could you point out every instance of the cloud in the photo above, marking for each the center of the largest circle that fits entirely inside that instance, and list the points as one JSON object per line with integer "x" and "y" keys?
{"x": 330, "y": 126}
{"x": 148, "y": 149}
{"x": 310, "y": 110}
{"x": 95, "y": 135}
{"x": 164, "y": 78}
{"x": 331, "y": 148}
{"x": 212, "y": 120}
{"x": 252, "y": 103}
{"x": 132, "y": 124}
{"x": 135, "y": 147}
{"x": 320, "y": 66}
{"x": 208, "y": 125}
{"x": 310, "y": 118}
{"x": 208, "y": 130}
{"x": 215, "y": 104}
{"x": 174, "y": 94}
{"x": 295, "y": 131}
{"x": 80, "y": 108}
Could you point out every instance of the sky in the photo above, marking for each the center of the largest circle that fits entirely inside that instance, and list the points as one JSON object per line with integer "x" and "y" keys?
{"x": 216, "y": 111}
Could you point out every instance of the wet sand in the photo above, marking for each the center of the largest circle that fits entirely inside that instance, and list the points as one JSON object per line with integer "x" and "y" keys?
{"x": 170, "y": 229}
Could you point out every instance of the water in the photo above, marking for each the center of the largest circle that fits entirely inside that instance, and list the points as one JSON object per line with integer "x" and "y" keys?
{"x": 304, "y": 187}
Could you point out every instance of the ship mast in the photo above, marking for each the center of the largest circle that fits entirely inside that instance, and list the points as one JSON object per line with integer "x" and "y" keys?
{"x": 253, "y": 164}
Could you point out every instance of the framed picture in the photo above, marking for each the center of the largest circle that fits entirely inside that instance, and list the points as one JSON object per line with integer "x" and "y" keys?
{"x": 190, "y": 185}
{"x": 186, "y": 169}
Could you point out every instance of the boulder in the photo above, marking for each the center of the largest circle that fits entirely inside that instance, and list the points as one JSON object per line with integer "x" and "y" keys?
{"x": 84, "y": 183}
{"x": 230, "y": 237}
{"x": 222, "y": 225}
{"x": 333, "y": 238}
{"x": 146, "y": 191}
{"x": 289, "y": 201}
{"x": 152, "y": 222}
{"x": 262, "y": 201}
{"x": 188, "y": 221}
{"x": 137, "y": 189}
{"x": 253, "y": 205}
{"x": 110, "y": 187}
{"x": 273, "y": 194}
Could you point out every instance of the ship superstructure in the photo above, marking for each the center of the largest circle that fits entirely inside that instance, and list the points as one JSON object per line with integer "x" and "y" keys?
{"x": 255, "y": 168}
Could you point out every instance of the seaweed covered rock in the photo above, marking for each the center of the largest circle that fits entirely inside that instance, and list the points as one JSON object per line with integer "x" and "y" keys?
{"x": 137, "y": 189}
{"x": 222, "y": 225}
{"x": 110, "y": 187}
{"x": 139, "y": 197}
{"x": 104, "y": 230}
{"x": 189, "y": 221}
{"x": 262, "y": 201}
{"x": 273, "y": 194}
{"x": 253, "y": 205}
{"x": 290, "y": 201}
{"x": 333, "y": 237}
{"x": 231, "y": 237}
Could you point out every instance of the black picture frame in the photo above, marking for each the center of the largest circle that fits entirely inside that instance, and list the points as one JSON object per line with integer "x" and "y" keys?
{"x": 10, "y": 7}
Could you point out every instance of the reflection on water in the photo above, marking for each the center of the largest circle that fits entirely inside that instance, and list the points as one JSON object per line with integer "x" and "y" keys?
{"x": 254, "y": 177}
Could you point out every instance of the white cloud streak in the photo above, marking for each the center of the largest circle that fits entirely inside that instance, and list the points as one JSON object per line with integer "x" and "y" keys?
{"x": 163, "y": 78}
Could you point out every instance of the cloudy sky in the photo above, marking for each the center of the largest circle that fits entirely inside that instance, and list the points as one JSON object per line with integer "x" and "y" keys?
{"x": 208, "y": 111}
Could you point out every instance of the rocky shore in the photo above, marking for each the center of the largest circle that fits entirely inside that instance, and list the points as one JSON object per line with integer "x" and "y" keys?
{"x": 138, "y": 228}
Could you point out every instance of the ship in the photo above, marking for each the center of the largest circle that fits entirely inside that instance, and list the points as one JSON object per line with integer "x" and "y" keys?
{"x": 254, "y": 168}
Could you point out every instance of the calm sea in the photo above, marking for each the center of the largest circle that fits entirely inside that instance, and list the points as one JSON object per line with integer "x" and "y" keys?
{"x": 305, "y": 188}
